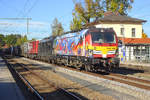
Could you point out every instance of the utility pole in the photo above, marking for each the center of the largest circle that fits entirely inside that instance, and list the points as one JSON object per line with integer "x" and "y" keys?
{"x": 27, "y": 26}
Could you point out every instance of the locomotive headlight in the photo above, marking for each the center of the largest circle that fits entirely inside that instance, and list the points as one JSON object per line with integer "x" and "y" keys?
{"x": 112, "y": 52}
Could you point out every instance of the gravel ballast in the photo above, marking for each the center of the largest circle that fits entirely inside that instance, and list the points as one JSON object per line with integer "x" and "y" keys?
{"x": 122, "y": 89}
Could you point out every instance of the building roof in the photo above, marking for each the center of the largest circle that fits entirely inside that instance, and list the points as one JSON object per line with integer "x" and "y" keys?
{"x": 120, "y": 18}
{"x": 135, "y": 40}
{"x": 111, "y": 17}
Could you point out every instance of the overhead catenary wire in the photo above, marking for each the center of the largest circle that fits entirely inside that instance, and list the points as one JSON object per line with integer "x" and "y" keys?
{"x": 30, "y": 9}
{"x": 23, "y": 10}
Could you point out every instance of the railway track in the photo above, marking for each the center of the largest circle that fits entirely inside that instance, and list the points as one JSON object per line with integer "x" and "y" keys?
{"x": 20, "y": 68}
{"x": 130, "y": 78}
{"x": 132, "y": 81}
{"x": 69, "y": 95}
{"x": 136, "y": 82}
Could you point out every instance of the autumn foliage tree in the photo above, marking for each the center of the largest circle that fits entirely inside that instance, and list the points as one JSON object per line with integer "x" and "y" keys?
{"x": 120, "y": 6}
{"x": 85, "y": 12}
{"x": 144, "y": 35}
{"x": 76, "y": 23}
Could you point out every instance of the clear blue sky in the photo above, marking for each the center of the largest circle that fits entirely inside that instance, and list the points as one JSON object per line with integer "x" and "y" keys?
{"x": 43, "y": 13}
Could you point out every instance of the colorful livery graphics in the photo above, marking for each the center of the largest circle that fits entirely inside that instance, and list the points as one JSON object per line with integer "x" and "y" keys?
{"x": 69, "y": 44}
{"x": 99, "y": 43}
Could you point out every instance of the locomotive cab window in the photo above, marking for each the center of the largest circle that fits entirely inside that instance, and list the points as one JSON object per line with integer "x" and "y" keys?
{"x": 103, "y": 37}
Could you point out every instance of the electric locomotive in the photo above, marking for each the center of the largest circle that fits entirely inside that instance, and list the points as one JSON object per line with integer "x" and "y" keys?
{"x": 92, "y": 49}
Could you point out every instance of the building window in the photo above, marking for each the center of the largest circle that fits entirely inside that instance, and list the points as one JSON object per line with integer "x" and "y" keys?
{"x": 133, "y": 32}
{"x": 122, "y": 31}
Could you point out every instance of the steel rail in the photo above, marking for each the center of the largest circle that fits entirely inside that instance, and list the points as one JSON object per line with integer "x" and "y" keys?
{"x": 71, "y": 95}
{"x": 146, "y": 87}
{"x": 26, "y": 82}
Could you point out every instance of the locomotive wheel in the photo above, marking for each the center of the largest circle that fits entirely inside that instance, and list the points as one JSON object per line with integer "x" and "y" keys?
{"x": 87, "y": 68}
{"x": 111, "y": 67}
{"x": 53, "y": 62}
{"x": 117, "y": 65}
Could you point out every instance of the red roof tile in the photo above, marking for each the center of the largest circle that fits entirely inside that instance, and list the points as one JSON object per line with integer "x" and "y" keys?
{"x": 136, "y": 40}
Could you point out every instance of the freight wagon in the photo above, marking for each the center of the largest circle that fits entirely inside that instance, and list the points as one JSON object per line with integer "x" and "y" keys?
{"x": 45, "y": 49}
{"x": 30, "y": 49}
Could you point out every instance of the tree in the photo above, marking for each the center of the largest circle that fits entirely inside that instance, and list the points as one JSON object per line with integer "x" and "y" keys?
{"x": 11, "y": 40}
{"x": 84, "y": 13}
{"x": 21, "y": 40}
{"x": 120, "y": 6}
{"x": 57, "y": 28}
{"x": 88, "y": 10}
{"x": 76, "y": 24}
{"x": 2, "y": 42}
{"x": 144, "y": 35}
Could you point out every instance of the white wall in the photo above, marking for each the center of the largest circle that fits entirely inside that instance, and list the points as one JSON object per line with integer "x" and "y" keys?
{"x": 127, "y": 29}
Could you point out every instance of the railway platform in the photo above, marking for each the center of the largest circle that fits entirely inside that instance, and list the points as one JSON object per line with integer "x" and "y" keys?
{"x": 8, "y": 87}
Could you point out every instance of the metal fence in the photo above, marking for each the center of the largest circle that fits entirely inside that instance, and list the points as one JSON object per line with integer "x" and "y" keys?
{"x": 135, "y": 53}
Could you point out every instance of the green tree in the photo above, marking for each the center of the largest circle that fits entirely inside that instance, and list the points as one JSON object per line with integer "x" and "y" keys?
{"x": 76, "y": 24}
{"x": 57, "y": 28}
{"x": 21, "y": 40}
{"x": 2, "y": 42}
{"x": 11, "y": 40}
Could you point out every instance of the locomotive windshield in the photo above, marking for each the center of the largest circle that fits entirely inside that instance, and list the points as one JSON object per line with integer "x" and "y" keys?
{"x": 103, "y": 37}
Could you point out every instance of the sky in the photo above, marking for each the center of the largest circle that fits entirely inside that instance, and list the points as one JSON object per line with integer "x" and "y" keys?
{"x": 43, "y": 12}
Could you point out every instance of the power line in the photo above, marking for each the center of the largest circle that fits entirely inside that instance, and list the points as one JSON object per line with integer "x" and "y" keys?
{"x": 23, "y": 10}
{"x": 35, "y": 2}
{"x": 23, "y": 13}
{"x": 11, "y": 7}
